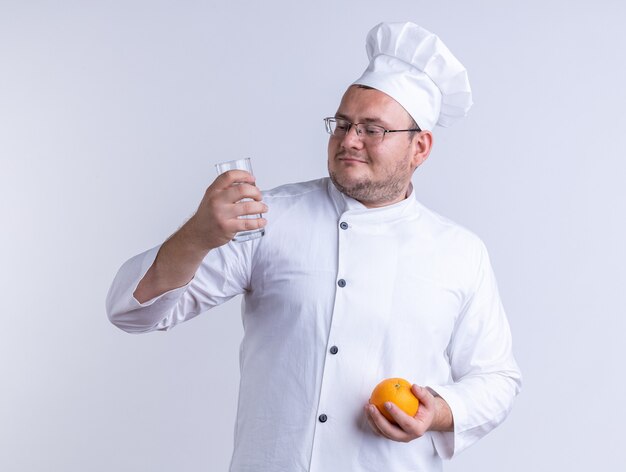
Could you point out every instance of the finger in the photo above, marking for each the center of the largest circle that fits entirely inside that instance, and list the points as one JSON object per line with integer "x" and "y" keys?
{"x": 235, "y": 225}
{"x": 236, "y": 176}
{"x": 407, "y": 424}
{"x": 370, "y": 421}
{"x": 375, "y": 417}
{"x": 425, "y": 397}
{"x": 247, "y": 208}
{"x": 386, "y": 427}
{"x": 238, "y": 192}
{"x": 249, "y": 224}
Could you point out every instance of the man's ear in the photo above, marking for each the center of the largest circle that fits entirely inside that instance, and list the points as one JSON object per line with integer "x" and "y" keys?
{"x": 422, "y": 143}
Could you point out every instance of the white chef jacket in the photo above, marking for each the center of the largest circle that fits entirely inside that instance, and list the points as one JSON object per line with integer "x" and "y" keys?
{"x": 337, "y": 297}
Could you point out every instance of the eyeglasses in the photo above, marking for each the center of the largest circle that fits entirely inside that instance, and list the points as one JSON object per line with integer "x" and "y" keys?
{"x": 371, "y": 134}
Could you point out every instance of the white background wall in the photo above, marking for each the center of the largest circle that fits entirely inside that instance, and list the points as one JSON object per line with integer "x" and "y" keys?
{"x": 112, "y": 115}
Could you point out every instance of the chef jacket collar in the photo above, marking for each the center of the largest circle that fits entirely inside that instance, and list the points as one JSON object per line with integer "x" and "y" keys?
{"x": 348, "y": 206}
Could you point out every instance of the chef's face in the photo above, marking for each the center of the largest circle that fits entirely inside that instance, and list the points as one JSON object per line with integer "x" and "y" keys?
{"x": 376, "y": 174}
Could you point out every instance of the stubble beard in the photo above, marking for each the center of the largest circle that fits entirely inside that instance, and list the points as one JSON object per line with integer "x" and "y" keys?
{"x": 374, "y": 192}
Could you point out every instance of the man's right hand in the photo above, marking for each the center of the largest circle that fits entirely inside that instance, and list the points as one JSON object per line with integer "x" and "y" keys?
{"x": 217, "y": 219}
{"x": 214, "y": 224}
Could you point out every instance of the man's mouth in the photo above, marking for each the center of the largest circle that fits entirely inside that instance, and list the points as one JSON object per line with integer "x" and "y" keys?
{"x": 348, "y": 158}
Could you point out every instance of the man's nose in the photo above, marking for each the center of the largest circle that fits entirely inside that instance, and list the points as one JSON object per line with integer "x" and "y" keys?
{"x": 352, "y": 138}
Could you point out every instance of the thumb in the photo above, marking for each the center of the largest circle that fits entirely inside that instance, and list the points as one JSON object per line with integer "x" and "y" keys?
{"x": 425, "y": 397}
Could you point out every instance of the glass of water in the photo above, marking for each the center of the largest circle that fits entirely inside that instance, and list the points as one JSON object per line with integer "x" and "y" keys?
{"x": 241, "y": 164}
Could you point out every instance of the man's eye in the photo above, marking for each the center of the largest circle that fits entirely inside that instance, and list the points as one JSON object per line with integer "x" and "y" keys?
{"x": 372, "y": 131}
{"x": 342, "y": 126}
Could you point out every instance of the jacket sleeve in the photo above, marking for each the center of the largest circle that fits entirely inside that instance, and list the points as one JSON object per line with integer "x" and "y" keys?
{"x": 223, "y": 274}
{"x": 485, "y": 377}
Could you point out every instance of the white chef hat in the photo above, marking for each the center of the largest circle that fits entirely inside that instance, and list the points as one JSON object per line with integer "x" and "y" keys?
{"x": 415, "y": 68}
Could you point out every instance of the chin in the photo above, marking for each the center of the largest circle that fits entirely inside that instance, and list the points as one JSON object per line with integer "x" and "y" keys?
{"x": 349, "y": 173}
{"x": 352, "y": 187}
{"x": 367, "y": 191}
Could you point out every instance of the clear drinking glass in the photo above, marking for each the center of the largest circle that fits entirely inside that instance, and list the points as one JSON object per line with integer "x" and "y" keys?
{"x": 241, "y": 164}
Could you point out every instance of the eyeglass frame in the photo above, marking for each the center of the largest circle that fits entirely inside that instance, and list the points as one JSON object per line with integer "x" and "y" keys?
{"x": 328, "y": 119}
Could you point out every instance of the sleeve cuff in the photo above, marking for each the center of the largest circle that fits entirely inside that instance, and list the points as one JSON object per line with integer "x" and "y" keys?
{"x": 146, "y": 263}
{"x": 447, "y": 443}
{"x": 124, "y": 310}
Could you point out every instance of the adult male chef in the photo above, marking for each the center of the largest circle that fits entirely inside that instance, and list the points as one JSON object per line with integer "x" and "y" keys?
{"x": 354, "y": 281}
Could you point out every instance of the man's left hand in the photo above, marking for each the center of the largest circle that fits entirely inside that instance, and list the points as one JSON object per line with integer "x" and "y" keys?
{"x": 433, "y": 414}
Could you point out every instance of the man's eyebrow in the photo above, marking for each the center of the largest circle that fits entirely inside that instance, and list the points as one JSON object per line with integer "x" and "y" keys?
{"x": 364, "y": 120}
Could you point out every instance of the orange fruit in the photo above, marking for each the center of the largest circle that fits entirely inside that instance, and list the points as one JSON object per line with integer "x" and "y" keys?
{"x": 397, "y": 391}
